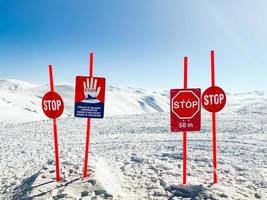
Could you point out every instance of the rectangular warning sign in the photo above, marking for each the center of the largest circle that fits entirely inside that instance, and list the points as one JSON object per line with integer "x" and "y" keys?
{"x": 89, "y": 97}
{"x": 185, "y": 109}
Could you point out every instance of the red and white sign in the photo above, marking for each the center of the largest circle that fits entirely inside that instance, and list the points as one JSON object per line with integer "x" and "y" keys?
{"x": 89, "y": 97}
{"x": 185, "y": 109}
{"x": 52, "y": 105}
{"x": 213, "y": 99}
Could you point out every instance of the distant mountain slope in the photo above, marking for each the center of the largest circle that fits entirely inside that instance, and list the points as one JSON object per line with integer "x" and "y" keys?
{"x": 21, "y": 101}
{"x": 14, "y": 85}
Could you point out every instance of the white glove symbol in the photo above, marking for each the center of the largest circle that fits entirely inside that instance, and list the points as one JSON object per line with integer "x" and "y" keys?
{"x": 91, "y": 91}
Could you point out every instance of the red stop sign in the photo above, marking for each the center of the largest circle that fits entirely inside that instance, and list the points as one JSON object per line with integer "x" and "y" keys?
{"x": 185, "y": 109}
{"x": 185, "y": 104}
{"x": 213, "y": 99}
{"x": 52, "y": 105}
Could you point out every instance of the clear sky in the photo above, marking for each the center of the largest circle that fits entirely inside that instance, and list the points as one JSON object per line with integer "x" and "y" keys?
{"x": 137, "y": 43}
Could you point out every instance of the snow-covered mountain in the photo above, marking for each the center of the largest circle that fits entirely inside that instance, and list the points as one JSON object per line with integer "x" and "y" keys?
{"x": 14, "y": 85}
{"x": 21, "y": 101}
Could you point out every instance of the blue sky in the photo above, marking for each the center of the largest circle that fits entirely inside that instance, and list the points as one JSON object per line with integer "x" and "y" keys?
{"x": 137, "y": 43}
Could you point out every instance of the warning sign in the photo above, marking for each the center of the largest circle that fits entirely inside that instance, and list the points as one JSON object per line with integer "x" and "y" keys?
{"x": 185, "y": 109}
{"x": 89, "y": 97}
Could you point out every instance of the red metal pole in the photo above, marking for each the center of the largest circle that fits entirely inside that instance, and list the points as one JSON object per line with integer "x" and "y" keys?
{"x": 51, "y": 78}
{"x": 91, "y": 64}
{"x": 87, "y": 145}
{"x": 184, "y": 133}
{"x": 54, "y": 127}
{"x": 56, "y": 150}
{"x": 212, "y": 68}
{"x": 214, "y": 146}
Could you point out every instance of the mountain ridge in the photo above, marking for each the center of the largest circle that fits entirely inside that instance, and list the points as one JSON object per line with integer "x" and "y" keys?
{"x": 20, "y": 101}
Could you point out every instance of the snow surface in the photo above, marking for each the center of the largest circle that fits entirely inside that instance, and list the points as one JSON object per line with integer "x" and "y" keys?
{"x": 131, "y": 156}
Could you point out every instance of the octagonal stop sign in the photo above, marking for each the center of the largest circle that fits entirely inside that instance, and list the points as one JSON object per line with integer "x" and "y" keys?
{"x": 185, "y": 109}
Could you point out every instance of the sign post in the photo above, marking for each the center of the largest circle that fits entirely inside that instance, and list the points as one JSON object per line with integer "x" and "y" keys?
{"x": 184, "y": 133}
{"x": 53, "y": 107}
{"x": 89, "y": 103}
{"x": 213, "y": 100}
{"x": 185, "y": 112}
{"x": 85, "y": 174}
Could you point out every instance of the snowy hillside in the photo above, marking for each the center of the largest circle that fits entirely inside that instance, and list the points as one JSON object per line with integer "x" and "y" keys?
{"x": 14, "y": 85}
{"x": 21, "y": 101}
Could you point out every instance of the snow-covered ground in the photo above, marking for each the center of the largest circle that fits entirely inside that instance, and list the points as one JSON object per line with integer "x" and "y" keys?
{"x": 132, "y": 156}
